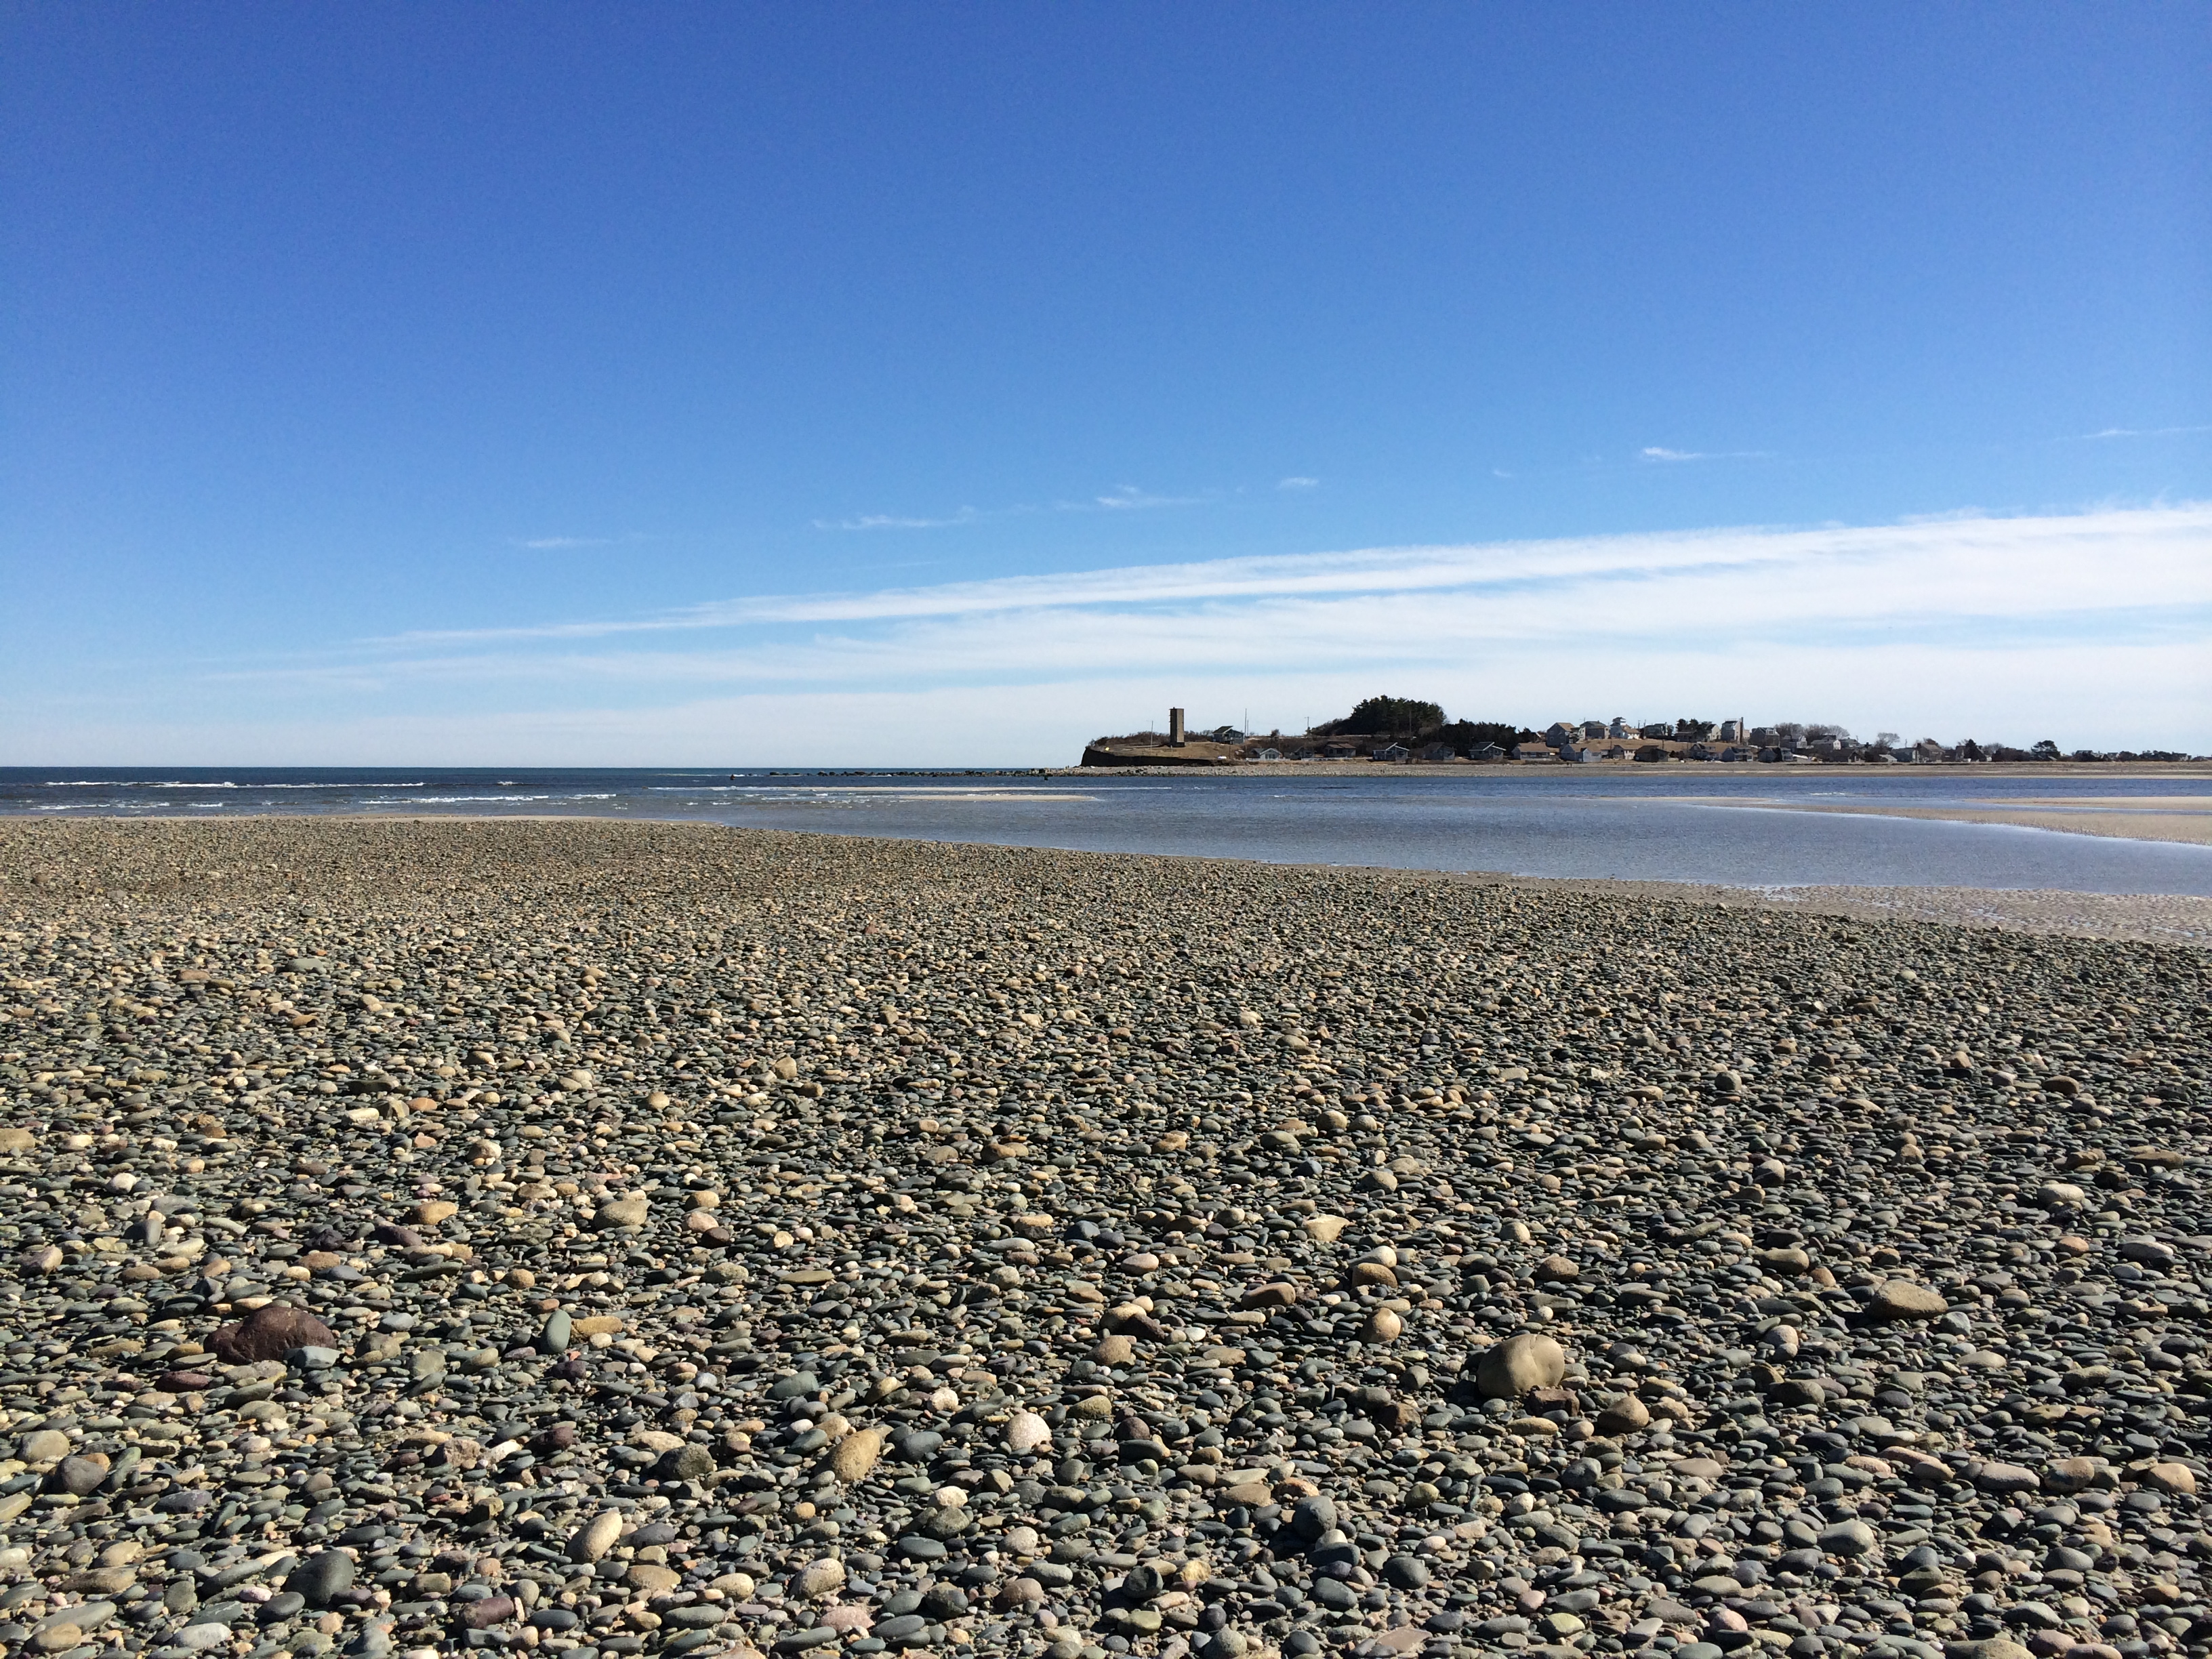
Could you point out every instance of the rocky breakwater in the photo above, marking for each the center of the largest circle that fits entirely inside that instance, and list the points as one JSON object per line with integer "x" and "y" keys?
{"x": 620, "y": 1239}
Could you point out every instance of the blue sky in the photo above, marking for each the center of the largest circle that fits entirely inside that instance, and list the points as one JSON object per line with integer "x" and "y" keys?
{"x": 727, "y": 384}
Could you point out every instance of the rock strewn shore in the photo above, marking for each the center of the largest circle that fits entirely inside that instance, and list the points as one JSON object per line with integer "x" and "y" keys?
{"x": 2151, "y": 918}
{"x": 613, "y": 1239}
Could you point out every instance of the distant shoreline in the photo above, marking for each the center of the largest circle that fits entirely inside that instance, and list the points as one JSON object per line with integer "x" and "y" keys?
{"x": 2188, "y": 769}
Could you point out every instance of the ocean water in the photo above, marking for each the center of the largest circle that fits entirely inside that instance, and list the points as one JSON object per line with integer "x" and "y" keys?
{"x": 1731, "y": 825}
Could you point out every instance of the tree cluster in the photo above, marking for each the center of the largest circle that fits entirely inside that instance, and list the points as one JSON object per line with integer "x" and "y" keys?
{"x": 1385, "y": 717}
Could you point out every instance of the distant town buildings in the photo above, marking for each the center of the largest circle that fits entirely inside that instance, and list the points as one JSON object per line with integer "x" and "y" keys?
{"x": 1404, "y": 732}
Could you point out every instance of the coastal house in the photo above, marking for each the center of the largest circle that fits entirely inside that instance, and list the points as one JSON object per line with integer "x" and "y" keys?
{"x": 1393, "y": 751}
{"x": 1271, "y": 754}
{"x": 1439, "y": 751}
{"x": 1620, "y": 728}
{"x": 1485, "y": 751}
{"x": 1559, "y": 733}
{"x": 1339, "y": 751}
{"x": 1617, "y": 752}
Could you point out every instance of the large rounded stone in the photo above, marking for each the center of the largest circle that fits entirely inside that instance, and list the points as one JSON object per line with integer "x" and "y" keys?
{"x": 80, "y": 1476}
{"x": 596, "y": 1536}
{"x": 269, "y": 1331}
{"x": 321, "y": 1575}
{"x": 854, "y": 1458}
{"x": 632, "y": 1212}
{"x": 1900, "y": 1298}
{"x": 1849, "y": 1540}
{"x": 1519, "y": 1365}
{"x": 2175, "y": 1480}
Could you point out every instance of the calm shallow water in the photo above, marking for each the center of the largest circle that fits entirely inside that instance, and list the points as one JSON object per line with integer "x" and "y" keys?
{"x": 1684, "y": 823}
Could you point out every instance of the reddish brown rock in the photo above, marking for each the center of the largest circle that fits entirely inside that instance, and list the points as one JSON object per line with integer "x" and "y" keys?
{"x": 269, "y": 1333}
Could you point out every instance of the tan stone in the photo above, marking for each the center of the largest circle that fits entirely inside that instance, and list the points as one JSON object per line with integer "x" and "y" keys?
{"x": 596, "y": 1536}
{"x": 1900, "y": 1298}
{"x": 854, "y": 1458}
{"x": 435, "y": 1211}
{"x": 596, "y": 1325}
{"x": 1624, "y": 1416}
{"x": 2175, "y": 1479}
{"x": 1324, "y": 1229}
{"x": 631, "y": 1212}
{"x": 2073, "y": 1475}
{"x": 1519, "y": 1365}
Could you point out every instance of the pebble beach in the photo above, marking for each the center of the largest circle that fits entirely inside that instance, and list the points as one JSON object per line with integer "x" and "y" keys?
{"x": 600, "y": 1238}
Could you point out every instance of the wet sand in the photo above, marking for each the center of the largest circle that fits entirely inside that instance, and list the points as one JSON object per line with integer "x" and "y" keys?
{"x": 2185, "y": 819}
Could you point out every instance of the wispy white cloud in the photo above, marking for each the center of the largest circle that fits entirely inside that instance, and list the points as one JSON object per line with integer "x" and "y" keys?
{"x": 1654, "y": 453}
{"x": 1126, "y": 498}
{"x": 562, "y": 544}
{"x": 893, "y": 521}
{"x": 2134, "y": 432}
{"x": 1129, "y": 498}
{"x": 1298, "y": 484}
{"x": 1966, "y": 622}
{"x": 1977, "y": 567}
